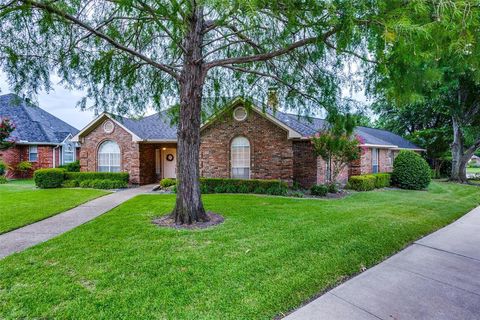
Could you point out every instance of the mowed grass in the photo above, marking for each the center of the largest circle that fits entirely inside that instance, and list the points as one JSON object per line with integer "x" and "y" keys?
{"x": 270, "y": 255}
{"x": 473, "y": 170}
{"x": 21, "y": 203}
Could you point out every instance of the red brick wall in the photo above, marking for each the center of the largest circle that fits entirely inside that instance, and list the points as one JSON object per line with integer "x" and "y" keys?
{"x": 270, "y": 151}
{"x": 342, "y": 177}
{"x": 130, "y": 155}
{"x": 19, "y": 153}
{"x": 304, "y": 164}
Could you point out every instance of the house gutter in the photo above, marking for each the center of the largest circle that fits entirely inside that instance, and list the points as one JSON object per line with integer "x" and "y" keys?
{"x": 54, "y": 156}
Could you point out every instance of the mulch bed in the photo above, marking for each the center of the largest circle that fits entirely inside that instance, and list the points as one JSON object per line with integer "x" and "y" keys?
{"x": 169, "y": 222}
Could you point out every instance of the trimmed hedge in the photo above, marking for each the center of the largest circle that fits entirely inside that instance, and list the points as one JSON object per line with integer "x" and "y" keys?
{"x": 3, "y": 180}
{"x": 319, "y": 190}
{"x": 81, "y": 176}
{"x": 362, "y": 183}
{"x": 411, "y": 171}
{"x": 101, "y": 184}
{"x": 382, "y": 180}
{"x": 167, "y": 182}
{"x": 49, "y": 178}
{"x": 260, "y": 186}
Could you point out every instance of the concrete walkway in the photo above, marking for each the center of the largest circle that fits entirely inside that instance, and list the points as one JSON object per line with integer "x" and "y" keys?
{"x": 438, "y": 277}
{"x": 25, "y": 237}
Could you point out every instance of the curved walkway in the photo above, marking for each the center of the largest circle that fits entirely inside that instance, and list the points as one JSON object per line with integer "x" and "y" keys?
{"x": 32, "y": 234}
{"x": 438, "y": 277}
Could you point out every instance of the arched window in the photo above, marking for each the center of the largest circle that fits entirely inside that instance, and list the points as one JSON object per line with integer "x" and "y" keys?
{"x": 109, "y": 157}
{"x": 240, "y": 158}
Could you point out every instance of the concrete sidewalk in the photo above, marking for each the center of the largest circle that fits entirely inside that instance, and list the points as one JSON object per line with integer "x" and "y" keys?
{"x": 438, "y": 277}
{"x": 25, "y": 237}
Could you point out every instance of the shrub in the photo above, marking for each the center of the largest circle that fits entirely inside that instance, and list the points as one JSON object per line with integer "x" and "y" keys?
{"x": 319, "y": 190}
{"x": 85, "y": 183}
{"x": 81, "y": 176}
{"x": 71, "y": 184}
{"x": 3, "y": 180}
{"x": 219, "y": 185}
{"x": 49, "y": 178}
{"x": 71, "y": 167}
{"x": 382, "y": 180}
{"x": 103, "y": 184}
{"x": 276, "y": 191}
{"x": 362, "y": 183}
{"x": 332, "y": 187}
{"x": 167, "y": 182}
{"x": 410, "y": 171}
{"x": 24, "y": 166}
{"x": 3, "y": 167}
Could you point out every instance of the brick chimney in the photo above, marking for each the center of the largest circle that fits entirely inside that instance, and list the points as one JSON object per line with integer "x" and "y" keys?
{"x": 272, "y": 98}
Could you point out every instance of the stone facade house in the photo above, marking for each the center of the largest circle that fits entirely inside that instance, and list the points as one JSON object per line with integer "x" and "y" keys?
{"x": 243, "y": 141}
{"x": 40, "y": 138}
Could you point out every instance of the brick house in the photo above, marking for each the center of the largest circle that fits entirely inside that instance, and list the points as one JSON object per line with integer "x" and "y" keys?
{"x": 239, "y": 142}
{"x": 40, "y": 138}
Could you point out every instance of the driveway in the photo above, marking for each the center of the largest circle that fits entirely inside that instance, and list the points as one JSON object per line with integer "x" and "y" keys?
{"x": 437, "y": 277}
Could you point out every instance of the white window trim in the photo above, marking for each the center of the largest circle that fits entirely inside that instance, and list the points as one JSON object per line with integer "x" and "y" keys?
{"x": 64, "y": 152}
{"x": 109, "y": 158}
{"x": 30, "y": 153}
{"x": 377, "y": 163}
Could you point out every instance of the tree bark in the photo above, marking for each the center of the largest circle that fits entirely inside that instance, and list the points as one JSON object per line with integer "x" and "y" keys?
{"x": 460, "y": 156}
{"x": 189, "y": 207}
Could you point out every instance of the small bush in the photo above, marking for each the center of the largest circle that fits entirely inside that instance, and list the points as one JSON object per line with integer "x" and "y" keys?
{"x": 410, "y": 171}
{"x": 3, "y": 180}
{"x": 71, "y": 167}
{"x": 362, "y": 183}
{"x": 319, "y": 190}
{"x": 332, "y": 187}
{"x": 167, "y": 182}
{"x": 85, "y": 183}
{"x": 24, "y": 166}
{"x": 382, "y": 180}
{"x": 49, "y": 178}
{"x": 81, "y": 176}
{"x": 71, "y": 184}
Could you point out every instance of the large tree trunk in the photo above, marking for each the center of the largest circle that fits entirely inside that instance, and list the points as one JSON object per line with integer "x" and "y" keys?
{"x": 460, "y": 156}
{"x": 189, "y": 207}
{"x": 457, "y": 153}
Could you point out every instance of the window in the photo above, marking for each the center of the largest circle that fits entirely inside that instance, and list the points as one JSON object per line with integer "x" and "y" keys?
{"x": 33, "y": 153}
{"x": 390, "y": 157}
{"x": 375, "y": 153}
{"x": 109, "y": 157}
{"x": 240, "y": 114}
{"x": 68, "y": 153}
{"x": 240, "y": 158}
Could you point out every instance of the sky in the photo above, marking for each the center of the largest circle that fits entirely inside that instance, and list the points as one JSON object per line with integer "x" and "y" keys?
{"x": 62, "y": 103}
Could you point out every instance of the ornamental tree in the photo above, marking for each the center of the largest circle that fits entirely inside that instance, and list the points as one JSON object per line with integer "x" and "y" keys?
{"x": 433, "y": 58}
{"x": 6, "y": 128}
{"x": 337, "y": 145}
{"x": 128, "y": 55}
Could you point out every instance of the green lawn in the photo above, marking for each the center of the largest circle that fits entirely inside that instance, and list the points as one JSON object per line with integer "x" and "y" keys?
{"x": 473, "y": 170}
{"x": 269, "y": 256}
{"x": 21, "y": 203}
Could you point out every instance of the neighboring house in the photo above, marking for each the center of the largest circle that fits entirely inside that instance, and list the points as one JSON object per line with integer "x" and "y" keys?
{"x": 474, "y": 160}
{"x": 239, "y": 142}
{"x": 40, "y": 138}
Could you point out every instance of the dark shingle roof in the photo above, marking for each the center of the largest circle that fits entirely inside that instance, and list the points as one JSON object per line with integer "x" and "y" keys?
{"x": 33, "y": 124}
{"x": 158, "y": 127}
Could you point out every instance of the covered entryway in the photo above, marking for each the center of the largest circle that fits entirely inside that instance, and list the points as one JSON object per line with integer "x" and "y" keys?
{"x": 157, "y": 161}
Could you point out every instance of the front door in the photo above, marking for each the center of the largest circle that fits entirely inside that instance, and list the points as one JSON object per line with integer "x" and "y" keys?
{"x": 169, "y": 162}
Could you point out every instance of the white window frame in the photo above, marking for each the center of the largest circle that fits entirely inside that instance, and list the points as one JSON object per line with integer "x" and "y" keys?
{"x": 30, "y": 153}
{"x": 111, "y": 157}
{"x": 246, "y": 152}
{"x": 64, "y": 152}
{"x": 376, "y": 152}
